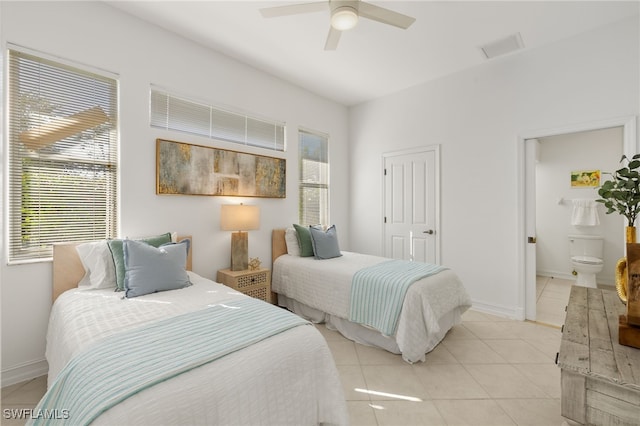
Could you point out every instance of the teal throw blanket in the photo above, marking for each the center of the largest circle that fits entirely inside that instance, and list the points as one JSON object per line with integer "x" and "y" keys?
{"x": 119, "y": 366}
{"x": 378, "y": 291}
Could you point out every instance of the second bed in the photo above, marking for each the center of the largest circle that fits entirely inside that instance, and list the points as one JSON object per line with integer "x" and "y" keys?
{"x": 320, "y": 290}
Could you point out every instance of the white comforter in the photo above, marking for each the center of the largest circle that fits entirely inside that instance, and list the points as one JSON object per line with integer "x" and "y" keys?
{"x": 288, "y": 379}
{"x": 325, "y": 285}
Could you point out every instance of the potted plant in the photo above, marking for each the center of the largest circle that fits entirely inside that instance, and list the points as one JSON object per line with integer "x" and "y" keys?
{"x": 621, "y": 195}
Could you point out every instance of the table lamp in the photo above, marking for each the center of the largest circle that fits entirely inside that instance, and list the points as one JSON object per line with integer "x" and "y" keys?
{"x": 240, "y": 218}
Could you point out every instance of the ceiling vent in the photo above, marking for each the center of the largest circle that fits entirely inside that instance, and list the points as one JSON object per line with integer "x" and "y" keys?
{"x": 503, "y": 46}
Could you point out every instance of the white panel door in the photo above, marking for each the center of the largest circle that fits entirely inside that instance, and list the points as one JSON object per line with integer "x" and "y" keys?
{"x": 411, "y": 205}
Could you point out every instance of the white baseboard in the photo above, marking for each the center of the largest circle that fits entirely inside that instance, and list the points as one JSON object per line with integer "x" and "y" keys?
{"x": 514, "y": 313}
{"x": 605, "y": 280}
{"x": 23, "y": 372}
{"x": 556, "y": 274}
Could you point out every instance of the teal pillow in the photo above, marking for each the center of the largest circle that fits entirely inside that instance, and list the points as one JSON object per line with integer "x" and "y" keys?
{"x": 325, "y": 243}
{"x": 117, "y": 253}
{"x": 304, "y": 240}
{"x": 149, "y": 269}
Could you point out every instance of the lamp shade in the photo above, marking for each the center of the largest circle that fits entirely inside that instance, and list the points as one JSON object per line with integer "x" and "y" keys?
{"x": 235, "y": 217}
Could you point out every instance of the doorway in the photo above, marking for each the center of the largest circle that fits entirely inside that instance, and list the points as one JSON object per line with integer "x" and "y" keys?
{"x": 529, "y": 239}
{"x": 411, "y": 204}
{"x": 590, "y": 153}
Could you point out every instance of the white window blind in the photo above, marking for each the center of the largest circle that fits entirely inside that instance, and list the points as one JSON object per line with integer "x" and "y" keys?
{"x": 314, "y": 178}
{"x": 172, "y": 112}
{"x": 62, "y": 155}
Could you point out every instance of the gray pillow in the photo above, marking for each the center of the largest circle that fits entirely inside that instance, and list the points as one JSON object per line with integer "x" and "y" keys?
{"x": 149, "y": 269}
{"x": 325, "y": 243}
{"x": 118, "y": 255}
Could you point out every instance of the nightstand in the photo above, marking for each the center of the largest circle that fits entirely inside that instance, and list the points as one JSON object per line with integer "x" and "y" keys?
{"x": 252, "y": 283}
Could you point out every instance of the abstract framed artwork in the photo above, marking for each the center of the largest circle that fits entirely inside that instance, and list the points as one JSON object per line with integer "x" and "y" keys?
{"x": 188, "y": 169}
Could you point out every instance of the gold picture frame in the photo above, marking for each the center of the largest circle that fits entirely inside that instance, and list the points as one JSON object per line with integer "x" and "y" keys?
{"x": 188, "y": 169}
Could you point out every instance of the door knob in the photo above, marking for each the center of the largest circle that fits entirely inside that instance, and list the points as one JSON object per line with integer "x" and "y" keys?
{"x": 430, "y": 232}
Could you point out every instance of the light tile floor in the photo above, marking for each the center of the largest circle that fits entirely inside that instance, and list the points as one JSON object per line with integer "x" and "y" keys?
{"x": 21, "y": 397}
{"x": 487, "y": 371}
{"x": 552, "y": 297}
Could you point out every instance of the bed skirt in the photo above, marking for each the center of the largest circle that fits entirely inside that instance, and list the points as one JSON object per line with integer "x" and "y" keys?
{"x": 365, "y": 335}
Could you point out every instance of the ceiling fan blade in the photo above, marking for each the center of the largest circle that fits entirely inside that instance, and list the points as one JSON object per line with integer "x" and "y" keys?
{"x": 332, "y": 39}
{"x": 386, "y": 16}
{"x": 294, "y": 9}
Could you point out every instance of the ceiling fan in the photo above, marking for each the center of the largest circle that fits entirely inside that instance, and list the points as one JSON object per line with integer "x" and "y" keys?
{"x": 344, "y": 16}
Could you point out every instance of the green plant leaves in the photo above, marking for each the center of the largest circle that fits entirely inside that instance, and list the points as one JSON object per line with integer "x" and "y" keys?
{"x": 621, "y": 193}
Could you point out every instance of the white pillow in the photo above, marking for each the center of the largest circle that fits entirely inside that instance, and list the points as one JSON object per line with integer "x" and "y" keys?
{"x": 98, "y": 264}
{"x": 291, "y": 239}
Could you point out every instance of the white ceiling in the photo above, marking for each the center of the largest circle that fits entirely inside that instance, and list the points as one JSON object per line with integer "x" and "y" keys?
{"x": 373, "y": 59}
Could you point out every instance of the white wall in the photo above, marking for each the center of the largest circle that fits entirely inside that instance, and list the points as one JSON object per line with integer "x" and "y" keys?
{"x": 477, "y": 116}
{"x": 559, "y": 156}
{"x": 98, "y": 35}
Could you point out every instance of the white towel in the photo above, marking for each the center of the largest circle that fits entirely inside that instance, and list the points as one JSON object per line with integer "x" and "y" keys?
{"x": 585, "y": 213}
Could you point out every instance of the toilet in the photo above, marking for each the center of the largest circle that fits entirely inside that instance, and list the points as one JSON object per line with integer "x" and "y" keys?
{"x": 587, "y": 252}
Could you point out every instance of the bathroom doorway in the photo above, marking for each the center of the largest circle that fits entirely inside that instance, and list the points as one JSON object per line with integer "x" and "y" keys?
{"x": 592, "y": 151}
{"x": 563, "y": 151}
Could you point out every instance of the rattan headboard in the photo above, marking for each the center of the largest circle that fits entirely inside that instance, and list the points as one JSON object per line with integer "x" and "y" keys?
{"x": 278, "y": 244}
{"x": 68, "y": 269}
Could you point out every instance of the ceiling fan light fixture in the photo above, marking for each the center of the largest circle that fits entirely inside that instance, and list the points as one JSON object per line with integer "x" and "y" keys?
{"x": 344, "y": 18}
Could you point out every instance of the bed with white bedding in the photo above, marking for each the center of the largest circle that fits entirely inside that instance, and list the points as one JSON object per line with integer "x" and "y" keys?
{"x": 287, "y": 377}
{"x": 320, "y": 290}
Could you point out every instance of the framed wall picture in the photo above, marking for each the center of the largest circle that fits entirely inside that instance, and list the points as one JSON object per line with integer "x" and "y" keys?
{"x": 188, "y": 169}
{"x": 585, "y": 178}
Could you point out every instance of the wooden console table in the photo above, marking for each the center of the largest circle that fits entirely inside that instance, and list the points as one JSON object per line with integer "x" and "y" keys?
{"x": 600, "y": 378}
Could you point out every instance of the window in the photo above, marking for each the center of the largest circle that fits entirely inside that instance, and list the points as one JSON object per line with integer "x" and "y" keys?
{"x": 62, "y": 155}
{"x": 314, "y": 178}
{"x": 171, "y": 112}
